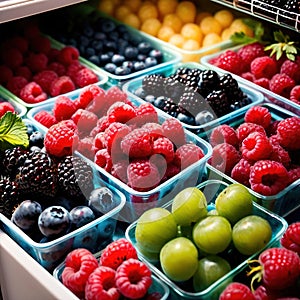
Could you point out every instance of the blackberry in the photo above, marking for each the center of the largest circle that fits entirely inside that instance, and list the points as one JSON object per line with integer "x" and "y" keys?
{"x": 174, "y": 87}
{"x": 218, "y": 102}
{"x": 181, "y": 71}
{"x": 75, "y": 178}
{"x": 192, "y": 79}
{"x": 171, "y": 107}
{"x": 153, "y": 84}
{"x": 9, "y": 196}
{"x": 228, "y": 84}
{"x": 240, "y": 103}
{"x": 208, "y": 81}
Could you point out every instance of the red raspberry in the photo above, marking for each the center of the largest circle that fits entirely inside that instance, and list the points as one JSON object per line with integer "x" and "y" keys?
{"x": 246, "y": 128}
{"x": 146, "y": 113}
{"x": 5, "y": 74}
{"x": 60, "y": 139}
{"x": 85, "y": 77}
{"x": 101, "y": 284}
{"x": 223, "y": 134}
{"x": 53, "y": 55}
{"x": 171, "y": 171}
{"x": 133, "y": 279}
{"x": 263, "y": 67}
{"x": 230, "y": 61}
{"x": 57, "y": 67}
{"x": 87, "y": 95}
{"x": 113, "y": 94}
{"x": 102, "y": 124}
{"x": 279, "y": 268}
{"x": 99, "y": 141}
{"x": 68, "y": 55}
{"x": 291, "y": 238}
{"x": 25, "y": 72}
{"x": 295, "y": 94}
{"x": 33, "y": 93}
{"x": 73, "y": 68}
{"x": 40, "y": 44}
{"x": 5, "y": 107}
{"x": 61, "y": 85}
{"x": 15, "y": 84}
{"x": 164, "y": 147}
{"x": 119, "y": 170}
{"x": 224, "y": 157}
{"x": 142, "y": 175}
{"x": 280, "y": 155}
{"x": 288, "y": 131}
{"x": 63, "y": 108}
{"x": 84, "y": 119}
{"x": 79, "y": 264}
{"x": 120, "y": 112}
{"x": 272, "y": 129}
{"x": 85, "y": 147}
{"x": 251, "y": 51}
{"x": 31, "y": 30}
{"x": 259, "y": 115}
{"x": 12, "y": 57}
{"x": 237, "y": 291}
{"x": 45, "y": 79}
{"x": 103, "y": 159}
{"x": 174, "y": 131}
{"x": 294, "y": 173}
{"x": 155, "y": 130}
{"x": 241, "y": 172}
{"x": 248, "y": 76}
{"x": 263, "y": 82}
{"x": 37, "y": 62}
{"x": 256, "y": 146}
{"x": 45, "y": 118}
{"x": 18, "y": 42}
{"x": 282, "y": 85}
{"x": 268, "y": 177}
{"x": 137, "y": 143}
{"x": 292, "y": 69}
{"x": 116, "y": 253}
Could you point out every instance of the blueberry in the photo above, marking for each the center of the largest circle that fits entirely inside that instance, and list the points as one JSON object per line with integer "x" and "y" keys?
{"x": 140, "y": 92}
{"x": 97, "y": 45}
{"x": 117, "y": 59}
{"x": 110, "y": 67}
{"x": 107, "y": 228}
{"x": 100, "y": 36}
{"x": 81, "y": 215}
{"x": 104, "y": 59}
{"x": 110, "y": 46}
{"x": 30, "y": 129}
{"x": 89, "y": 51}
{"x": 187, "y": 119}
{"x": 36, "y": 139}
{"x": 107, "y": 26}
{"x": 94, "y": 59}
{"x": 54, "y": 221}
{"x": 128, "y": 64}
{"x": 150, "y": 62}
{"x": 156, "y": 54}
{"x": 26, "y": 214}
{"x": 141, "y": 57}
{"x": 88, "y": 31}
{"x": 160, "y": 102}
{"x": 121, "y": 28}
{"x": 101, "y": 200}
{"x": 131, "y": 52}
{"x": 139, "y": 65}
{"x": 84, "y": 41}
{"x": 144, "y": 47}
{"x": 204, "y": 117}
{"x": 150, "y": 98}
{"x": 122, "y": 71}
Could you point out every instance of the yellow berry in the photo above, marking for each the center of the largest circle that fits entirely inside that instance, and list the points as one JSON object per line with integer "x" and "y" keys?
{"x": 173, "y": 21}
{"x": 226, "y": 34}
{"x": 147, "y": 11}
{"x": 166, "y": 7}
{"x": 191, "y": 45}
{"x": 186, "y": 11}
{"x": 134, "y": 5}
{"x": 201, "y": 15}
{"x": 151, "y": 26}
{"x": 239, "y": 26}
{"x": 121, "y": 12}
{"x": 177, "y": 40}
{"x": 106, "y": 6}
{"x": 224, "y": 17}
{"x": 211, "y": 39}
{"x": 132, "y": 20}
{"x": 192, "y": 31}
{"x": 209, "y": 25}
{"x": 165, "y": 33}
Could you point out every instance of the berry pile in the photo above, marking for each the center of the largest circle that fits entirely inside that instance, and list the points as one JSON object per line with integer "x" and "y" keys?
{"x": 261, "y": 153}
{"x": 6, "y": 106}
{"x": 252, "y": 62}
{"x": 34, "y": 71}
{"x": 123, "y": 139}
{"x": 192, "y": 95}
{"x": 117, "y": 274}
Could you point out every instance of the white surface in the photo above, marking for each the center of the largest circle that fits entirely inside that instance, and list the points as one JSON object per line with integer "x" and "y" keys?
{"x": 22, "y": 278}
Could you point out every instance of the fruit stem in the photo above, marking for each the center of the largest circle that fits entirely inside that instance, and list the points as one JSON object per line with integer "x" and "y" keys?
{"x": 257, "y": 271}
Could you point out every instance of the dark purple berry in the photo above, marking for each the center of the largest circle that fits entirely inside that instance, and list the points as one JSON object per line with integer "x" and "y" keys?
{"x": 36, "y": 139}
{"x": 101, "y": 200}
{"x": 204, "y": 117}
{"x": 81, "y": 215}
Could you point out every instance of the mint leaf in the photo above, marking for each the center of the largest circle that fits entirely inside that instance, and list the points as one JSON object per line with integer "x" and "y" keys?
{"x": 13, "y": 132}
{"x": 241, "y": 38}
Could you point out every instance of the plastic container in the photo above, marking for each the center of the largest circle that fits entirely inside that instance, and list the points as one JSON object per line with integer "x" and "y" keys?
{"x": 282, "y": 203}
{"x": 157, "y": 285}
{"x": 92, "y": 235}
{"x": 19, "y": 108}
{"x": 269, "y": 96}
{"x": 211, "y": 188}
{"x": 255, "y": 97}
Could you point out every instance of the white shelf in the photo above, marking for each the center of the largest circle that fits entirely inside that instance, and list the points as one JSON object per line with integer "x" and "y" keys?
{"x": 15, "y": 9}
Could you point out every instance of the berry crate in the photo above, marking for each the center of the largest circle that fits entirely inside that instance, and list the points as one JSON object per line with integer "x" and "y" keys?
{"x": 183, "y": 290}
{"x": 268, "y": 95}
{"x": 286, "y": 201}
{"x": 255, "y": 98}
{"x": 18, "y": 107}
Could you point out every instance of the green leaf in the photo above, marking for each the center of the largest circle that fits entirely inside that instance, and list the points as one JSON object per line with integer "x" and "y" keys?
{"x": 13, "y": 132}
{"x": 242, "y": 38}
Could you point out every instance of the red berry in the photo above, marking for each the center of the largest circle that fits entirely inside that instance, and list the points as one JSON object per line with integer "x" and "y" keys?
{"x": 85, "y": 147}
{"x": 280, "y": 154}
{"x": 241, "y": 172}
{"x": 295, "y": 94}
{"x": 61, "y": 85}
{"x": 246, "y": 128}
{"x": 6, "y": 74}
{"x": 259, "y": 115}
{"x": 251, "y": 51}
{"x": 119, "y": 170}
{"x": 45, "y": 118}
{"x": 248, "y": 76}
{"x": 25, "y": 72}
{"x": 294, "y": 173}
{"x": 291, "y": 238}
{"x": 268, "y": 177}
{"x": 231, "y": 61}
{"x": 101, "y": 284}
{"x": 288, "y": 131}
{"x": 146, "y": 113}
{"x": 133, "y": 278}
{"x": 73, "y": 68}
{"x": 80, "y": 263}
{"x": 45, "y": 79}
{"x": 282, "y": 85}
{"x": 85, "y": 77}
{"x": 68, "y": 55}
{"x": 15, "y": 84}
{"x": 120, "y": 112}
{"x": 37, "y": 62}
{"x": 12, "y": 57}
{"x": 99, "y": 141}
{"x": 40, "y": 44}
{"x": 57, "y": 67}
{"x": 155, "y": 129}
{"x": 263, "y": 82}
{"x": 164, "y": 147}
{"x": 88, "y": 95}
{"x": 63, "y": 108}
{"x": 116, "y": 253}
{"x": 5, "y": 107}
{"x": 237, "y": 291}
{"x": 33, "y": 93}
{"x": 292, "y": 69}
{"x": 223, "y": 134}
{"x": 103, "y": 159}
{"x": 173, "y": 130}
{"x": 84, "y": 119}
{"x": 19, "y": 42}
{"x": 263, "y": 67}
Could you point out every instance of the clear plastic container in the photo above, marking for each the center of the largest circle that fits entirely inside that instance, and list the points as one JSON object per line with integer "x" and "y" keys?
{"x": 255, "y": 96}
{"x": 211, "y": 188}
{"x": 157, "y": 285}
{"x": 19, "y": 108}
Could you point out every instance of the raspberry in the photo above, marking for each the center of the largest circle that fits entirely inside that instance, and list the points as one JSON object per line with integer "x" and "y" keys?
{"x": 68, "y": 55}
{"x": 25, "y": 72}
{"x": 31, "y": 30}
{"x": 224, "y": 157}
{"x": 171, "y": 171}
{"x": 249, "y": 52}
{"x": 101, "y": 284}
{"x": 256, "y": 146}
{"x": 45, "y": 79}
{"x": 137, "y": 143}
{"x": 263, "y": 67}
{"x": 223, "y": 134}
{"x": 263, "y": 82}
{"x": 84, "y": 119}
{"x": 187, "y": 155}
{"x": 155, "y": 130}
{"x": 103, "y": 123}
{"x": 120, "y": 112}
{"x": 103, "y": 159}
{"x": 61, "y": 85}
{"x": 119, "y": 170}
{"x": 237, "y": 291}
{"x": 18, "y": 42}
{"x": 5, "y": 107}
{"x": 164, "y": 147}
{"x": 63, "y": 108}
{"x": 173, "y": 130}
{"x": 85, "y": 147}
{"x": 40, "y": 44}
{"x": 241, "y": 172}
{"x": 248, "y": 76}
{"x": 230, "y": 61}
{"x": 142, "y": 175}
{"x": 15, "y": 84}
{"x": 295, "y": 94}
{"x": 5, "y": 74}
{"x": 291, "y": 238}
{"x": 246, "y": 128}
{"x": 37, "y": 62}
{"x": 282, "y": 85}
{"x": 99, "y": 141}
{"x": 259, "y": 115}
{"x": 288, "y": 131}
{"x": 53, "y": 55}
{"x": 268, "y": 177}
{"x": 116, "y": 253}
{"x": 60, "y": 139}
{"x": 73, "y": 68}
{"x": 272, "y": 129}
{"x": 114, "y": 94}
{"x": 79, "y": 264}
{"x": 88, "y": 95}
{"x": 45, "y": 118}
{"x": 13, "y": 57}
{"x": 57, "y": 67}
{"x": 33, "y": 93}
{"x": 292, "y": 69}
{"x": 146, "y": 113}
{"x": 294, "y": 174}
{"x": 85, "y": 77}
{"x": 280, "y": 155}
{"x": 133, "y": 278}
